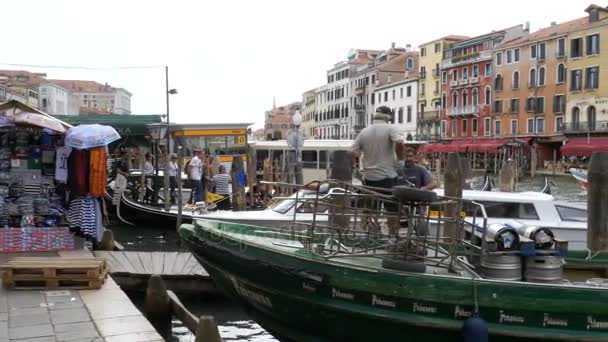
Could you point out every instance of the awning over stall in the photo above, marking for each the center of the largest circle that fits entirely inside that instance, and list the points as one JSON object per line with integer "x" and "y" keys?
{"x": 583, "y": 147}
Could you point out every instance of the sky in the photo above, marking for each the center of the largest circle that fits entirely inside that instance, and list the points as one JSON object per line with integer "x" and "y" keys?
{"x": 228, "y": 59}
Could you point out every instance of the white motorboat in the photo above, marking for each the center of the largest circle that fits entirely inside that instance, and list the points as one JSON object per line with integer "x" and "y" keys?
{"x": 567, "y": 220}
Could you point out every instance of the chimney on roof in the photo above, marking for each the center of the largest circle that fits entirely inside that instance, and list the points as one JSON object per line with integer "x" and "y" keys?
{"x": 389, "y": 78}
{"x": 527, "y": 26}
{"x": 408, "y": 47}
{"x": 392, "y": 45}
{"x": 553, "y": 23}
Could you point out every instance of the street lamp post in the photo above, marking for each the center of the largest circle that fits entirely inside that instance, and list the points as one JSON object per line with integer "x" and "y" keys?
{"x": 297, "y": 121}
{"x": 178, "y": 177}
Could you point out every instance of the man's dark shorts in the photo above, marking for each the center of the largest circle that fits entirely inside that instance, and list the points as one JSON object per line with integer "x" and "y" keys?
{"x": 386, "y": 183}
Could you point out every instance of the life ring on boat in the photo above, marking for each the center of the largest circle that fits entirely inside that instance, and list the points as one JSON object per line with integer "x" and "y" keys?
{"x": 407, "y": 194}
{"x": 403, "y": 265}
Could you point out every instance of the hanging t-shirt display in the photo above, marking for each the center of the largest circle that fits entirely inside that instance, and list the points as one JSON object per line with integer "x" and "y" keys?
{"x": 61, "y": 163}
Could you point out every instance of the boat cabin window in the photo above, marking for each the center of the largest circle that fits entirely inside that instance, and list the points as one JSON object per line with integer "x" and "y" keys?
{"x": 283, "y": 206}
{"x": 523, "y": 211}
{"x": 571, "y": 214}
{"x": 309, "y": 208}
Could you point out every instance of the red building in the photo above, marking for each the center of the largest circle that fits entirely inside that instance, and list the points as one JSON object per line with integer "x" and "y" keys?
{"x": 467, "y": 81}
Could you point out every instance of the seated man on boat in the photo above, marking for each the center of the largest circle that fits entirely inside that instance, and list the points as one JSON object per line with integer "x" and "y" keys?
{"x": 415, "y": 175}
{"x": 377, "y": 144}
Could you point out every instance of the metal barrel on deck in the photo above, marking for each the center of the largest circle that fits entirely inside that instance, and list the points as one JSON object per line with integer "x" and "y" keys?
{"x": 501, "y": 266}
{"x": 543, "y": 268}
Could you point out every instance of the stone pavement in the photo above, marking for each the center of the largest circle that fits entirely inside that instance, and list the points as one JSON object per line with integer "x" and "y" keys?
{"x": 89, "y": 315}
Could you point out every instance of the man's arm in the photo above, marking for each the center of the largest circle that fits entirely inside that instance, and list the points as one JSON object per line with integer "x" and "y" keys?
{"x": 428, "y": 182}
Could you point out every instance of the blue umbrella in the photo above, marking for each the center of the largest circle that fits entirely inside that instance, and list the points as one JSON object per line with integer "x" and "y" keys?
{"x": 89, "y": 136}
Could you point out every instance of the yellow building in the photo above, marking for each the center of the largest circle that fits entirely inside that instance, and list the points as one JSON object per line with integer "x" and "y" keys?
{"x": 429, "y": 86}
{"x": 587, "y": 78}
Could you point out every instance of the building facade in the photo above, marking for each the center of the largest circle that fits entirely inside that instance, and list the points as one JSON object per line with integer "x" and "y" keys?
{"x": 587, "y": 71}
{"x": 56, "y": 100}
{"x": 429, "y": 86}
{"x": 402, "y": 98}
{"x": 334, "y": 115}
{"x": 278, "y": 121}
{"x": 308, "y": 114}
{"x": 467, "y": 79}
{"x": 97, "y": 98}
{"x": 387, "y": 67}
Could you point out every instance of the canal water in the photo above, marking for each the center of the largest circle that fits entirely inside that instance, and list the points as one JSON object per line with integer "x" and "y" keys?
{"x": 234, "y": 324}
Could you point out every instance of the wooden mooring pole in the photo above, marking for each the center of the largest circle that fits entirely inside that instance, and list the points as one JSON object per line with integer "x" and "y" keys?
{"x": 597, "y": 202}
{"x": 178, "y": 178}
{"x": 453, "y": 185}
{"x": 157, "y": 306}
{"x": 161, "y": 304}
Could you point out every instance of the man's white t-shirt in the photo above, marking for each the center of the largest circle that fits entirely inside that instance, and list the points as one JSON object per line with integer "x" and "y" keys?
{"x": 196, "y": 168}
{"x": 61, "y": 163}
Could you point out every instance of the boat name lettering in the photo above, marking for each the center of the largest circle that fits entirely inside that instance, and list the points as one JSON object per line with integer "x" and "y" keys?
{"x": 309, "y": 288}
{"x": 252, "y": 295}
{"x": 593, "y": 324}
{"x": 461, "y": 313}
{"x": 554, "y": 322}
{"x": 424, "y": 308}
{"x": 337, "y": 294}
{"x": 504, "y": 318}
{"x": 382, "y": 302}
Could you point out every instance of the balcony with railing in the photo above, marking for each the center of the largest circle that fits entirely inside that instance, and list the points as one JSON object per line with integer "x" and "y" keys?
{"x": 359, "y": 123}
{"x": 474, "y": 80}
{"x": 359, "y": 108}
{"x": 429, "y": 115}
{"x": 451, "y": 61}
{"x": 464, "y": 110}
{"x": 584, "y": 127}
{"x": 360, "y": 89}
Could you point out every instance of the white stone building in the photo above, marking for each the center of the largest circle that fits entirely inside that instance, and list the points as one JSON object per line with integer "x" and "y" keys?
{"x": 97, "y": 98}
{"x": 57, "y": 100}
{"x": 402, "y": 98}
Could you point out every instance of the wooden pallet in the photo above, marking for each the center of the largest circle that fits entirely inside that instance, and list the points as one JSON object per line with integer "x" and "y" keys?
{"x": 54, "y": 273}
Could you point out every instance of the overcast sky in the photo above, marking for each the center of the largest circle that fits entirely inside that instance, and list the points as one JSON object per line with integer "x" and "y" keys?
{"x": 229, "y": 58}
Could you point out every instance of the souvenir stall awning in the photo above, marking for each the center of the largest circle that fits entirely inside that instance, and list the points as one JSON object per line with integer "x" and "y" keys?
{"x": 469, "y": 145}
{"x": 24, "y": 115}
{"x": 583, "y": 147}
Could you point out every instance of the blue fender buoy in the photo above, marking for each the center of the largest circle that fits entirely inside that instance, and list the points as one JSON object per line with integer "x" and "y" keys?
{"x": 475, "y": 329}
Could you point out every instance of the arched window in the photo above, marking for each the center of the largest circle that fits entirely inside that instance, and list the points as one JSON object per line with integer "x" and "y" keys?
{"x": 532, "y": 79}
{"x": 455, "y": 99}
{"x": 591, "y": 118}
{"x": 488, "y": 98}
{"x": 576, "y": 117}
{"x": 464, "y": 98}
{"x": 410, "y": 63}
{"x": 515, "y": 79}
{"x": 541, "y": 76}
{"x": 444, "y": 100}
{"x": 498, "y": 82}
{"x": 475, "y": 97}
{"x": 561, "y": 73}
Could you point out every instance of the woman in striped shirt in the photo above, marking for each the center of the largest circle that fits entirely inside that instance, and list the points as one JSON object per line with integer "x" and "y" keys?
{"x": 222, "y": 187}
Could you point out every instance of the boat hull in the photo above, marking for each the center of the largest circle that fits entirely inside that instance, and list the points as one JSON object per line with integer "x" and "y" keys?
{"x": 314, "y": 301}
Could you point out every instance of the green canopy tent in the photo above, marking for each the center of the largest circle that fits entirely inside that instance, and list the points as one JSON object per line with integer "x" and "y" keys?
{"x": 132, "y": 128}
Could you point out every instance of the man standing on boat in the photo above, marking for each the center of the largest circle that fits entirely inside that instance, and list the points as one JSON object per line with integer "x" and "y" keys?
{"x": 378, "y": 144}
{"x": 195, "y": 176}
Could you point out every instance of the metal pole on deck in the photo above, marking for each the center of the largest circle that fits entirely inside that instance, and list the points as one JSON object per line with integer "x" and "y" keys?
{"x": 168, "y": 143}
{"x": 178, "y": 178}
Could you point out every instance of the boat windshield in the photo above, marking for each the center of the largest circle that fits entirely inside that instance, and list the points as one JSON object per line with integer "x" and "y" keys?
{"x": 571, "y": 214}
{"x": 285, "y": 205}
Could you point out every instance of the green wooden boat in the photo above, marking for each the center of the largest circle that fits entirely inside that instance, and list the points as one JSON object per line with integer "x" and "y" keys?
{"x": 299, "y": 293}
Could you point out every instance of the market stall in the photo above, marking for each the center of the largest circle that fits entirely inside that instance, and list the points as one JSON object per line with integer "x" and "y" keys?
{"x": 49, "y": 189}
